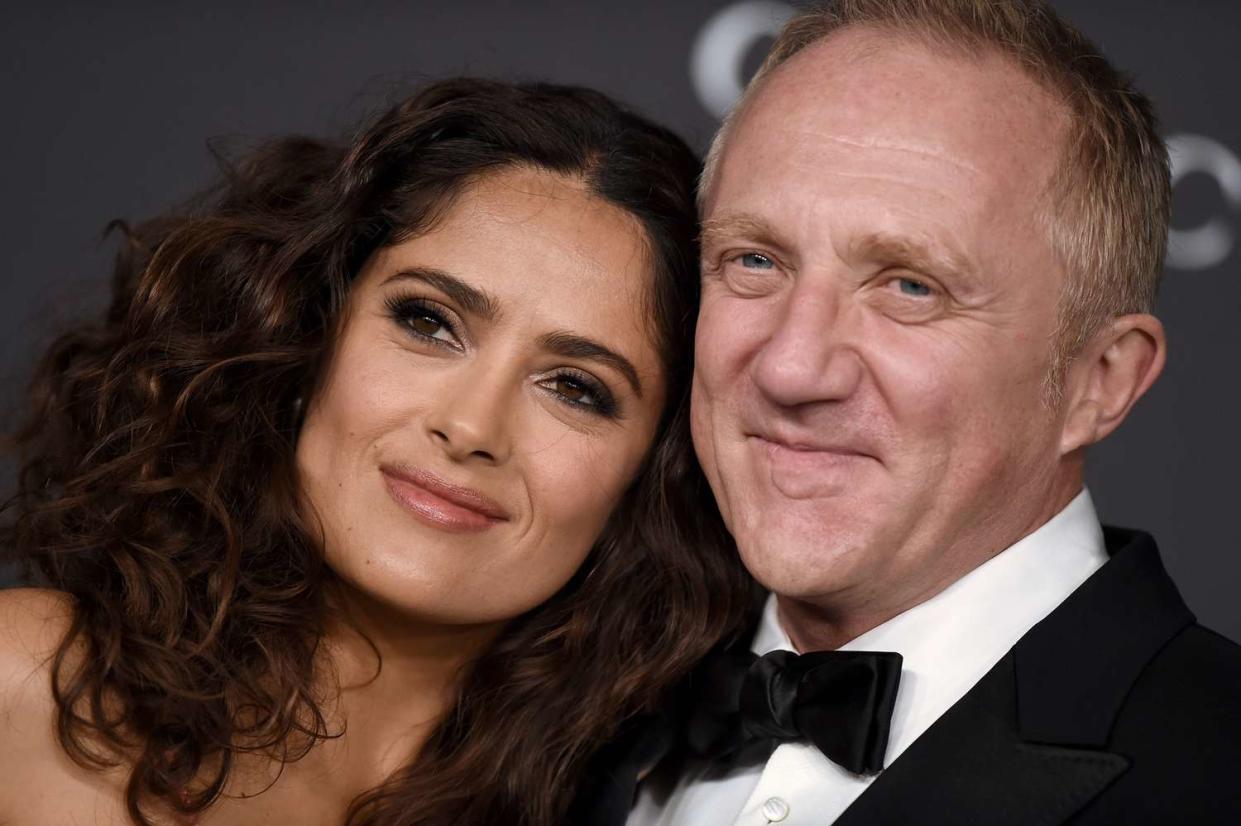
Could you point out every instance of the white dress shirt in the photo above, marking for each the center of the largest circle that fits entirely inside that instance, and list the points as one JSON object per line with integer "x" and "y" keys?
{"x": 948, "y": 643}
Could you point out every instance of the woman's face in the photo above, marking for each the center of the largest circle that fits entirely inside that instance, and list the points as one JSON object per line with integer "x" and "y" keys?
{"x": 493, "y": 392}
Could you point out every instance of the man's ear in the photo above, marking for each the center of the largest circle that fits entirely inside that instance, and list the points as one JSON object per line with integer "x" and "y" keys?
{"x": 1111, "y": 373}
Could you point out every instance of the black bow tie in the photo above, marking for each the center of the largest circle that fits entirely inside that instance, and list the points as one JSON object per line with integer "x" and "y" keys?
{"x": 841, "y": 701}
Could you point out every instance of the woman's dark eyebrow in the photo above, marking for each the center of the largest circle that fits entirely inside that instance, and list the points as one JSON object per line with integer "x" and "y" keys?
{"x": 574, "y": 346}
{"x": 470, "y": 299}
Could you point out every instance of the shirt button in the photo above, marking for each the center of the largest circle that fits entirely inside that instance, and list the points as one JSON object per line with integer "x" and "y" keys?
{"x": 775, "y": 810}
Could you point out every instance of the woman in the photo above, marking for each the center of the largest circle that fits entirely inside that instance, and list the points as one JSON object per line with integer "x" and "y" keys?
{"x": 372, "y": 499}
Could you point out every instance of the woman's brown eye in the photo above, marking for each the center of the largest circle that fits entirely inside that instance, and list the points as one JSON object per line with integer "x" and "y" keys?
{"x": 581, "y": 393}
{"x": 572, "y": 391}
{"x": 427, "y": 325}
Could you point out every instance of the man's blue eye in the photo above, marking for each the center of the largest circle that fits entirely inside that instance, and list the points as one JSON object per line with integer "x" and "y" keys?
{"x": 754, "y": 261}
{"x": 916, "y": 288}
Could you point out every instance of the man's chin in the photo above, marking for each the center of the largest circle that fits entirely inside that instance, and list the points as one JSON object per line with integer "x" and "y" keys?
{"x": 803, "y": 567}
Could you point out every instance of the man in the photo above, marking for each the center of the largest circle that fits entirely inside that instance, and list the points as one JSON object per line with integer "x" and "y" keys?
{"x": 933, "y": 231}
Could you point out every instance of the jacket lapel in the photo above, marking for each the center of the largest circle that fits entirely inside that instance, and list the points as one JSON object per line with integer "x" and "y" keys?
{"x": 1028, "y": 744}
{"x": 972, "y": 766}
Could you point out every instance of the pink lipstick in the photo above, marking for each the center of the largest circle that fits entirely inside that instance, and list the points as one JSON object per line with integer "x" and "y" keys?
{"x": 441, "y": 504}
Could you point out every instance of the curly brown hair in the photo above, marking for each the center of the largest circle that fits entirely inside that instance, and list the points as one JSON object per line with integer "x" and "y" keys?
{"x": 158, "y": 485}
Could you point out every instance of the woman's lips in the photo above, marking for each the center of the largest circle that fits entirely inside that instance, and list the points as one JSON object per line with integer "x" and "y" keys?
{"x": 441, "y": 504}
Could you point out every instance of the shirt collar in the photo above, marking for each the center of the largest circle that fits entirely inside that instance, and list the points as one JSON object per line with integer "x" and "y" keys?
{"x": 952, "y": 639}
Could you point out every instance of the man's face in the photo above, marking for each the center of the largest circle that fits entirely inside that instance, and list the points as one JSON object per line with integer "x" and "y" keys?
{"x": 879, "y": 304}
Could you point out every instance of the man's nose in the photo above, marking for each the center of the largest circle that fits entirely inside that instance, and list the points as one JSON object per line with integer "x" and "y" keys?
{"x": 809, "y": 357}
{"x": 470, "y": 417}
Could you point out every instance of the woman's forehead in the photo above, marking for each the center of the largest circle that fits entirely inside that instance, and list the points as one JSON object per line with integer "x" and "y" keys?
{"x": 541, "y": 247}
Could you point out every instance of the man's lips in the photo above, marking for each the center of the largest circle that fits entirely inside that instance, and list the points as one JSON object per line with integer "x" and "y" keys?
{"x": 440, "y": 503}
{"x": 810, "y": 471}
{"x": 777, "y": 443}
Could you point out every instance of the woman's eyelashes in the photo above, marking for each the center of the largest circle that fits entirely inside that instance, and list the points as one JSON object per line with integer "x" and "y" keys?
{"x": 432, "y": 323}
{"x": 425, "y": 320}
{"x": 582, "y": 391}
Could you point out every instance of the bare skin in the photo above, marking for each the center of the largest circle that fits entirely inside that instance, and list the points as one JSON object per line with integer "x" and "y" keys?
{"x": 485, "y": 396}
{"x": 388, "y": 718}
{"x": 880, "y": 298}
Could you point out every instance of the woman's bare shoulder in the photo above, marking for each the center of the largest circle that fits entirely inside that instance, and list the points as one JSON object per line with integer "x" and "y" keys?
{"x": 33, "y": 623}
{"x": 34, "y": 768}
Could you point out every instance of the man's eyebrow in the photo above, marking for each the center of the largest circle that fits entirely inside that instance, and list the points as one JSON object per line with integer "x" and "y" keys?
{"x": 471, "y": 299}
{"x": 739, "y": 225}
{"x": 570, "y": 345}
{"x": 934, "y": 259}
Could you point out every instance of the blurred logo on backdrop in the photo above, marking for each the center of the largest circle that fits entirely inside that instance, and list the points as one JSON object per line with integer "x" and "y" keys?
{"x": 1208, "y": 244}
{"x": 725, "y": 54}
{"x": 717, "y": 65}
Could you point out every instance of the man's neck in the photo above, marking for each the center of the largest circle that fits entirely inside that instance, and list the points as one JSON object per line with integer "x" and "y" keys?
{"x": 812, "y": 627}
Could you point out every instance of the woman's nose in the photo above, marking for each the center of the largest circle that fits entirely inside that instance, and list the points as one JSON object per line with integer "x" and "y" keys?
{"x": 470, "y": 418}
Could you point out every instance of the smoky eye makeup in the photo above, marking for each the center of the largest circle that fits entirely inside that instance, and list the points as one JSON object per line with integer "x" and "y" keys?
{"x": 431, "y": 322}
{"x": 579, "y": 389}
{"x": 424, "y": 320}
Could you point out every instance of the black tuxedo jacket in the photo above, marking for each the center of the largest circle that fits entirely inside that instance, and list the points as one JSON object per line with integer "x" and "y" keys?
{"x": 1116, "y": 709}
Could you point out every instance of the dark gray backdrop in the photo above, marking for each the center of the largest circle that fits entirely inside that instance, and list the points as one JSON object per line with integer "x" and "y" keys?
{"x": 108, "y": 112}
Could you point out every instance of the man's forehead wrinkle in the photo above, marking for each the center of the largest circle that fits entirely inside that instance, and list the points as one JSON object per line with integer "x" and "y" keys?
{"x": 771, "y": 215}
{"x": 893, "y": 163}
{"x": 827, "y": 148}
{"x": 887, "y": 144}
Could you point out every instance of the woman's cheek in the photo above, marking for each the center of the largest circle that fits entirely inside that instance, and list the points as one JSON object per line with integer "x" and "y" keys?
{"x": 579, "y": 491}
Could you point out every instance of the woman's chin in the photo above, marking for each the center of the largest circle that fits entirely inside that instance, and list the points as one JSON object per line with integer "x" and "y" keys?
{"x": 441, "y": 585}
